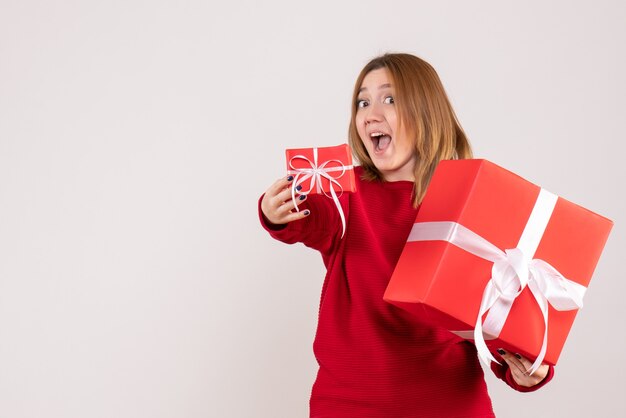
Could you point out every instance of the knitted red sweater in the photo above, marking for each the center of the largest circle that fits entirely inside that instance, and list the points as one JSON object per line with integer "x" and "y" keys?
{"x": 376, "y": 360}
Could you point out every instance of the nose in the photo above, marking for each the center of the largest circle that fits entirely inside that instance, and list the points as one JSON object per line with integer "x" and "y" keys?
{"x": 374, "y": 113}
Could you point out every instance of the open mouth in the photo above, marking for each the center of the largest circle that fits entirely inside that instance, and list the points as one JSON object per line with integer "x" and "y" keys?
{"x": 380, "y": 140}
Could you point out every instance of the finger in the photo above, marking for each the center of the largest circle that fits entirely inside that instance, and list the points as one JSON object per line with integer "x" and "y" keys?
{"x": 282, "y": 196}
{"x": 514, "y": 363}
{"x": 279, "y": 185}
{"x": 521, "y": 378}
{"x": 285, "y": 195}
{"x": 290, "y": 205}
{"x": 517, "y": 369}
{"x": 526, "y": 364}
{"x": 541, "y": 371}
{"x": 295, "y": 216}
{"x": 539, "y": 374}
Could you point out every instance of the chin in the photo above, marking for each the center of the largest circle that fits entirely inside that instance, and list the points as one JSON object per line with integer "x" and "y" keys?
{"x": 384, "y": 168}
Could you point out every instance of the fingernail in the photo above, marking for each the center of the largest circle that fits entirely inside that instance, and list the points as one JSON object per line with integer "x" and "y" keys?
{"x": 299, "y": 187}
{"x": 518, "y": 356}
{"x": 306, "y": 213}
{"x": 302, "y": 197}
{"x": 501, "y": 351}
{"x": 289, "y": 178}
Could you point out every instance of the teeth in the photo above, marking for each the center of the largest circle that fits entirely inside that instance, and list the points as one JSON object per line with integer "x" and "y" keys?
{"x": 376, "y": 134}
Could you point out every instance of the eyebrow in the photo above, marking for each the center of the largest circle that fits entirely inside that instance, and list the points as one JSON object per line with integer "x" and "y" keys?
{"x": 382, "y": 86}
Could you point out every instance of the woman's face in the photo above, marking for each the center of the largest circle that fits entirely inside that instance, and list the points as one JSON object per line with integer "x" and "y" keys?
{"x": 388, "y": 145}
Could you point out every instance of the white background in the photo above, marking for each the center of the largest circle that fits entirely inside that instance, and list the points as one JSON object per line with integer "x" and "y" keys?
{"x": 136, "y": 137}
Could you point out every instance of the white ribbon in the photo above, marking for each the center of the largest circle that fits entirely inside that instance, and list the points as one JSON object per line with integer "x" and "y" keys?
{"x": 513, "y": 269}
{"x": 316, "y": 172}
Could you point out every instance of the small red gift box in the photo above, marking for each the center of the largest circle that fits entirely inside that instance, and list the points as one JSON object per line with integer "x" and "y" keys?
{"x": 322, "y": 170}
{"x": 495, "y": 257}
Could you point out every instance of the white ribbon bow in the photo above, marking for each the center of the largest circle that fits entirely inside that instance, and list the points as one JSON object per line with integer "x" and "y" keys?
{"x": 513, "y": 269}
{"x": 316, "y": 172}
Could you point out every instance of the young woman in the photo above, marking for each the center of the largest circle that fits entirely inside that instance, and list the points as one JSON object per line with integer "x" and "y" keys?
{"x": 376, "y": 360}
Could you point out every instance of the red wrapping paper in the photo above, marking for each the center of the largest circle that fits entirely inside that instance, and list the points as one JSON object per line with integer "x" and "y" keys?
{"x": 447, "y": 283}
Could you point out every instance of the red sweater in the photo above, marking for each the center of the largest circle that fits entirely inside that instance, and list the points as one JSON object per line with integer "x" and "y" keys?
{"x": 376, "y": 360}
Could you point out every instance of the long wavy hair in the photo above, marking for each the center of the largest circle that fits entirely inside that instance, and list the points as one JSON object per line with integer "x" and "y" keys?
{"x": 423, "y": 109}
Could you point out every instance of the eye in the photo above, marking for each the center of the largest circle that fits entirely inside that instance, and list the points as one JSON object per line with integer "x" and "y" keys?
{"x": 388, "y": 100}
{"x": 361, "y": 103}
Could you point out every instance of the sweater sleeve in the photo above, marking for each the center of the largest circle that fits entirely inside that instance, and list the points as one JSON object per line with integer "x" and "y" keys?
{"x": 502, "y": 371}
{"x": 321, "y": 230}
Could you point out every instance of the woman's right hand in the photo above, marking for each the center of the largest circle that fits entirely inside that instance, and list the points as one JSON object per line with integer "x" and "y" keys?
{"x": 277, "y": 205}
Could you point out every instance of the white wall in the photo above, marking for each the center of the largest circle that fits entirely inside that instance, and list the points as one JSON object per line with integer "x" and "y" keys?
{"x": 136, "y": 137}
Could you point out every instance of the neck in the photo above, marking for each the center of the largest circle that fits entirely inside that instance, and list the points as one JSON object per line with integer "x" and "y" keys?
{"x": 405, "y": 173}
{"x": 396, "y": 176}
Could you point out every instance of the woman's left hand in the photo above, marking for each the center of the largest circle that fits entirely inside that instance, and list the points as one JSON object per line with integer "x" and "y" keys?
{"x": 520, "y": 365}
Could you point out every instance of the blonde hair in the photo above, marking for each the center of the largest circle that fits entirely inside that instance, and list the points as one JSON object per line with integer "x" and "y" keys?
{"x": 423, "y": 109}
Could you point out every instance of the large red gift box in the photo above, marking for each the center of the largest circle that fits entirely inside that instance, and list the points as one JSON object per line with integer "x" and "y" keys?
{"x": 322, "y": 170}
{"x": 447, "y": 272}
